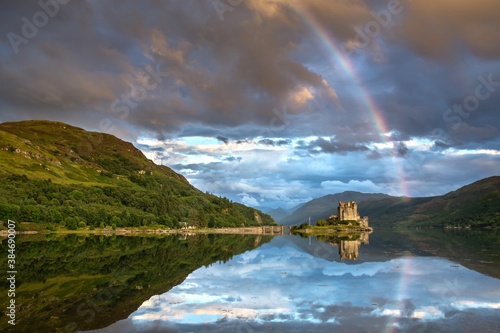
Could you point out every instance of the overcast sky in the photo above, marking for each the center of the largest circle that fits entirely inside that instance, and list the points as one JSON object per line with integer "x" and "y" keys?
{"x": 270, "y": 102}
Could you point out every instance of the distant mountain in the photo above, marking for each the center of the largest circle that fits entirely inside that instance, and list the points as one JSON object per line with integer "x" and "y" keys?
{"x": 294, "y": 208}
{"x": 263, "y": 209}
{"x": 52, "y": 172}
{"x": 323, "y": 207}
{"x": 278, "y": 213}
{"x": 475, "y": 205}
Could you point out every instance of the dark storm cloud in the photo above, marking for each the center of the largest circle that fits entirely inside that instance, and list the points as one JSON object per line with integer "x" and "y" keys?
{"x": 149, "y": 148}
{"x": 434, "y": 28}
{"x": 400, "y": 149}
{"x": 202, "y": 167}
{"x": 264, "y": 75}
{"x": 222, "y": 139}
{"x": 267, "y": 142}
{"x": 331, "y": 146}
{"x": 439, "y": 145}
{"x": 271, "y": 142}
{"x": 234, "y": 72}
{"x": 232, "y": 159}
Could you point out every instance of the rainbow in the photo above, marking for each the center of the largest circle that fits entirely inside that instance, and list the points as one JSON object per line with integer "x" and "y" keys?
{"x": 347, "y": 67}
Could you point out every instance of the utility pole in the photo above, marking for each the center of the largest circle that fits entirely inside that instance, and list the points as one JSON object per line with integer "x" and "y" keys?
{"x": 309, "y": 225}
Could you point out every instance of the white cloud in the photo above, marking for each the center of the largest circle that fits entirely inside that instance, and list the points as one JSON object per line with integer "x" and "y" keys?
{"x": 335, "y": 186}
{"x": 247, "y": 199}
{"x": 301, "y": 96}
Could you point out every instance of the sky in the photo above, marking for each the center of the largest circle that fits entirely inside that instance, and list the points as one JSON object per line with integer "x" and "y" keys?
{"x": 279, "y": 285}
{"x": 270, "y": 103}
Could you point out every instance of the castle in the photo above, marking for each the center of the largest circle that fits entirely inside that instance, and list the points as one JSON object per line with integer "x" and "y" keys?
{"x": 348, "y": 211}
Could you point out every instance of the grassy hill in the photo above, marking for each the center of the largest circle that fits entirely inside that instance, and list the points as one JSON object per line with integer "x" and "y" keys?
{"x": 474, "y": 205}
{"x": 390, "y": 211}
{"x": 52, "y": 172}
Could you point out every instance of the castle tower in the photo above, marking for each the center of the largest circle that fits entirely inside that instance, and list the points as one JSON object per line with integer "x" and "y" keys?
{"x": 348, "y": 211}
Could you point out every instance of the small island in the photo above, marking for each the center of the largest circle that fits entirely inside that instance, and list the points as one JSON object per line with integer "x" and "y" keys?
{"x": 347, "y": 220}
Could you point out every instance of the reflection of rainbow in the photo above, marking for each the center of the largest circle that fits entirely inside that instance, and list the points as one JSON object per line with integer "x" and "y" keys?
{"x": 347, "y": 67}
{"x": 401, "y": 292}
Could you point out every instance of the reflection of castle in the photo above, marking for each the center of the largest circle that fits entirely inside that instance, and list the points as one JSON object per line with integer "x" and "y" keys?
{"x": 348, "y": 211}
{"x": 348, "y": 244}
{"x": 349, "y": 249}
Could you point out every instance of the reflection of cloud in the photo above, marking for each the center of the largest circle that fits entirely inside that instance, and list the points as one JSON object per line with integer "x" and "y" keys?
{"x": 466, "y": 304}
{"x": 366, "y": 268}
{"x": 282, "y": 285}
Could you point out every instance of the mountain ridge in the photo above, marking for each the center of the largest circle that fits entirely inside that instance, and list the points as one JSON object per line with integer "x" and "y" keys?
{"x": 473, "y": 205}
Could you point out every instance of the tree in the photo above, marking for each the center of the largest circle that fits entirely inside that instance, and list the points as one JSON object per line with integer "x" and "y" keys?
{"x": 116, "y": 221}
{"x": 71, "y": 223}
{"x": 76, "y": 195}
{"x": 211, "y": 221}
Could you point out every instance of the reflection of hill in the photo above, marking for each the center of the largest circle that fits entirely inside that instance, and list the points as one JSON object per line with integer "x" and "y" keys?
{"x": 476, "y": 250}
{"x": 78, "y": 283}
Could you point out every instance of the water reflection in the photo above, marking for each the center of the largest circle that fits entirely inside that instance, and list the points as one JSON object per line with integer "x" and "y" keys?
{"x": 289, "y": 285}
{"x": 71, "y": 283}
{"x": 348, "y": 245}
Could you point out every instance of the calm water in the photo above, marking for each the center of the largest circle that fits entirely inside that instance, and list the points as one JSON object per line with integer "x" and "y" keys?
{"x": 431, "y": 281}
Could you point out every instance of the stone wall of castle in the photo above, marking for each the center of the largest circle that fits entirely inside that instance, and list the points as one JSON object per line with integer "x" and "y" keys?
{"x": 363, "y": 221}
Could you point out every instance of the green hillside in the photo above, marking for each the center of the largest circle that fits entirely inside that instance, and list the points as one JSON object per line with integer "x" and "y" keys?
{"x": 474, "y": 205}
{"x": 52, "y": 172}
{"x": 391, "y": 211}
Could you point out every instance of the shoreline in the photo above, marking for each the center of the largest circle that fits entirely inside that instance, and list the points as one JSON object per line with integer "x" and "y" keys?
{"x": 331, "y": 230}
{"x": 261, "y": 230}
